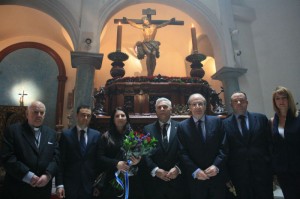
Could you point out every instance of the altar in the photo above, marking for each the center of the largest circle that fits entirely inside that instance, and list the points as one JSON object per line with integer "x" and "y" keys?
{"x": 139, "y": 94}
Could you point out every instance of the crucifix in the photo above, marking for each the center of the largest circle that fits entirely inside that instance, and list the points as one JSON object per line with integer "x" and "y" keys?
{"x": 22, "y": 98}
{"x": 148, "y": 47}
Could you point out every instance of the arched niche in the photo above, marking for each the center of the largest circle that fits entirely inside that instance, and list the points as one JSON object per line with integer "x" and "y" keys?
{"x": 61, "y": 78}
{"x": 197, "y": 10}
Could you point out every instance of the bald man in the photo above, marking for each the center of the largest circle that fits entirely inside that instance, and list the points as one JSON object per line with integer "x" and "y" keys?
{"x": 203, "y": 151}
{"x": 30, "y": 156}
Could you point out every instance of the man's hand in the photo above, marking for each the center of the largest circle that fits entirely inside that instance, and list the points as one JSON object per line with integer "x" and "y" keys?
{"x": 201, "y": 175}
{"x": 211, "y": 171}
{"x": 173, "y": 173}
{"x": 34, "y": 180}
{"x": 43, "y": 180}
{"x": 60, "y": 192}
{"x": 162, "y": 174}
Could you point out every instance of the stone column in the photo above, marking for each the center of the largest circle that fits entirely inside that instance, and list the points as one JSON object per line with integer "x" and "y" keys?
{"x": 229, "y": 77}
{"x": 86, "y": 63}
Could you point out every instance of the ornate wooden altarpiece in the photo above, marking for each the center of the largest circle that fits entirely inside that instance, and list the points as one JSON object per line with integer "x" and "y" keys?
{"x": 138, "y": 95}
{"x": 9, "y": 115}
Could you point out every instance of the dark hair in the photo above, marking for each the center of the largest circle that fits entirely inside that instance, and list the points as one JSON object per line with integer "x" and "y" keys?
{"x": 83, "y": 106}
{"x": 112, "y": 136}
{"x": 112, "y": 125}
{"x": 239, "y": 92}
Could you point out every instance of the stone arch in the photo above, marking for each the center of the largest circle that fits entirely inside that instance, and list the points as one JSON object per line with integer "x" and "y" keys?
{"x": 56, "y": 10}
{"x": 61, "y": 70}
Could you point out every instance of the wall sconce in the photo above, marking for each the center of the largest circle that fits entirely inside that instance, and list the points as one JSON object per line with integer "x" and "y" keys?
{"x": 238, "y": 52}
{"x": 88, "y": 41}
{"x": 234, "y": 32}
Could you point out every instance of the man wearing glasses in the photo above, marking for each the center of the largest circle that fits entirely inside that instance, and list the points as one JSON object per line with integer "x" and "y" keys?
{"x": 249, "y": 140}
{"x": 203, "y": 151}
{"x": 30, "y": 156}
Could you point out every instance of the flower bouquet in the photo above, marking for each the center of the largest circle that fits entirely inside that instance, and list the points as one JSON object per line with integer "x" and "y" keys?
{"x": 136, "y": 145}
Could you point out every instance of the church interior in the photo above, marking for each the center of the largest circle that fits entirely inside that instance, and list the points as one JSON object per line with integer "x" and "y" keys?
{"x": 71, "y": 52}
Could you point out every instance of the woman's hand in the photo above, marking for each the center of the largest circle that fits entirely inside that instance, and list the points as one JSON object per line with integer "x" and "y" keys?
{"x": 135, "y": 160}
{"x": 122, "y": 166}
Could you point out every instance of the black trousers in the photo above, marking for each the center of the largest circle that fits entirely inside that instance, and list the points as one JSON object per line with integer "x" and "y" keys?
{"x": 289, "y": 184}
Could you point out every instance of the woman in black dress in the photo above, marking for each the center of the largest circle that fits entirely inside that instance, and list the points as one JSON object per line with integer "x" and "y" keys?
{"x": 113, "y": 158}
{"x": 286, "y": 142}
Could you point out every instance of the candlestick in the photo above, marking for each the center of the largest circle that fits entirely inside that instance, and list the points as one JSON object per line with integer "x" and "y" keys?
{"x": 194, "y": 39}
{"x": 119, "y": 37}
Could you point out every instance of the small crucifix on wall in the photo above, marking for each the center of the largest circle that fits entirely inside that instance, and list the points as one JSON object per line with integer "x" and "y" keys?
{"x": 21, "y": 100}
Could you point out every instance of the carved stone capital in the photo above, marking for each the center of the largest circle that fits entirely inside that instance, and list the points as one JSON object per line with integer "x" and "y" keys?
{"x": 229, "y": 72}
{"x": 86, "y": 59}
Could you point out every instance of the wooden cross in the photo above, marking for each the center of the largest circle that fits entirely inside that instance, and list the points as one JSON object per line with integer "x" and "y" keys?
{"x": 22, "y": 98}
{"x": 148, "y": 12}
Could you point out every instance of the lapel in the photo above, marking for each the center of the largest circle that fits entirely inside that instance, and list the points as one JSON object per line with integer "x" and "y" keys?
{"x": 43, "y": 139}
{"x": 74, "y": 137}
{"x": 157, "y": 134}
{"x": 194, "y": 131}
{"x": 252, "y": 125}
{"x": 233, "y": 124}
{"x": 208, "y": 126}
{"x": 173, "y": 131}
{"x": 90, "y": 138}
{"x": 29, "y": 137}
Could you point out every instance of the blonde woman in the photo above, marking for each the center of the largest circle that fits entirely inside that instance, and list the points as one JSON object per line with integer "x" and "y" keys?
{"x": 286, "y": 142}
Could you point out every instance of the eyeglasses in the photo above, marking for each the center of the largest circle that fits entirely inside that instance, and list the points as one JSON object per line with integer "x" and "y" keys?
{"x": 199, "y": 104}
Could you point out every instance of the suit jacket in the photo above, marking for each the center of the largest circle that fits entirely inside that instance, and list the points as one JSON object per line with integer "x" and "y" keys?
{"x": 286, "y": 156}
{"x": 21, "y": 155}
{"x": 197, "y": 154}
{"x": 77, "y": 172}
{"x": 252, "y": 152}
{"x": 165, "y": 159}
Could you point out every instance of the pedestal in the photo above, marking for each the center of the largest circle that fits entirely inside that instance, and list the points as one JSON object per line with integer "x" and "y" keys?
{"x": 229, "y": 77}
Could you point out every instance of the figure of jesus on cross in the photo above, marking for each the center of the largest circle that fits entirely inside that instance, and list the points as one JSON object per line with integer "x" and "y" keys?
{"x": 21, "y": 100}
{"x": 149, "y": 46}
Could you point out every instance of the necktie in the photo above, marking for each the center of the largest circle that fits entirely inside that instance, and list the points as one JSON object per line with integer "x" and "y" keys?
{"x": 244, "y": 128}
{"x": 203, "y": 137}
{"x": 165, "y": 135}
{"x": 82, "y": 142}
{"x": 37, "y": 136}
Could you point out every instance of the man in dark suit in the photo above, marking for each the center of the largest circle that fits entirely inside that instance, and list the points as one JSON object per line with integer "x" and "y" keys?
{"x": 79, "y": 167}
{"x": 167, "y": 181}
{"x": 30, "y": 156}
{"x": 248, "y": 137}
{"x": 203, "y": 151}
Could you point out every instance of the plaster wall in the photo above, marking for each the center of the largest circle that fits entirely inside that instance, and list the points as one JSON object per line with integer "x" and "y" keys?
{"x": 276, "y": 38}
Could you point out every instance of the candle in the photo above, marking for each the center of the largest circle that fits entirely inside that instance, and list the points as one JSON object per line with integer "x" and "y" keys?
{"x": 194, "y": 39}
{"x": 119, "y": 37}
